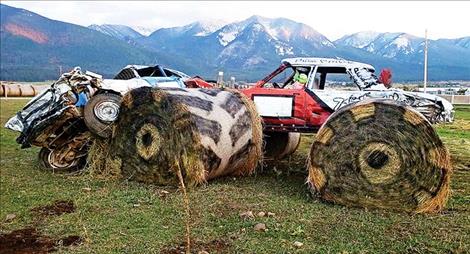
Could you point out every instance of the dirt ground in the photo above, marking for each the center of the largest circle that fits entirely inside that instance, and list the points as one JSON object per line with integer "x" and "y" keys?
{"x": 57, "y": 208}
{"x": 214, "y": 246}
{"x": 31, "y": 240}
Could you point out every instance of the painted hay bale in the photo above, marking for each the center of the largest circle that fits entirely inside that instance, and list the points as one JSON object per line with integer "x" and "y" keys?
{"x": 202, "y": 133}
{"x": 382, "y": 155}
{"x": 278, "y": 145}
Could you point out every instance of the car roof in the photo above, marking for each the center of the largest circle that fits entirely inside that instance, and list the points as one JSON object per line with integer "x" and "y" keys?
{"x": 326, "y": 62}
{"x": 140, "y": 67}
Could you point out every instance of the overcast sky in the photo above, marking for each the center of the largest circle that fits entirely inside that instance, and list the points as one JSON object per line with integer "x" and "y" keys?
{"x": 333, "y": 18}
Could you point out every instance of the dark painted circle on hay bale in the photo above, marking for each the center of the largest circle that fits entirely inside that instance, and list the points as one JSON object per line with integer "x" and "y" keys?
{"x": 377, "y": 159}
{"x": 416, "y": 176}
{"x": 147, "y": 139}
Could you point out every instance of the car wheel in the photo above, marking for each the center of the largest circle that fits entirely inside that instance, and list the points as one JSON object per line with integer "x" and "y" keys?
{"x": 100, "y": 112}
{"x": 278, "y": 145}
{"x": 50, "y": 159}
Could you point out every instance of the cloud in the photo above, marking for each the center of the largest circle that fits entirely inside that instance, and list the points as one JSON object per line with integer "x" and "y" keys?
{"x": 333, "y": 18}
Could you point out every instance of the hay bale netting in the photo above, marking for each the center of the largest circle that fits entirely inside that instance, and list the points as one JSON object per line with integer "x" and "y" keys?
{"x": 205, "y": 133}
{"x": 380, "y": 154}
{"x": 278, "y": 145}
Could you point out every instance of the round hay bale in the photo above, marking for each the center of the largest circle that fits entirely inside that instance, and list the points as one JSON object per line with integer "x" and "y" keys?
{"x": 13, "y": 90}
{"x": 278, "y": 145}
{"x": 382, "y": 155}
{"x": 202, "y": 133}
{"x": 27, "y": 91}
{"x": 100, "y": 162}
{"x": 2, "y": 91}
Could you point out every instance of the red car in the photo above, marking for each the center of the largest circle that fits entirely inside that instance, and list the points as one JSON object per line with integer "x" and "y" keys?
{"x": 287, "y": 109}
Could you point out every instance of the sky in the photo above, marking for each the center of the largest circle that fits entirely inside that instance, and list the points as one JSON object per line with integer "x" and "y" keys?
{"x": 443, "y": 19}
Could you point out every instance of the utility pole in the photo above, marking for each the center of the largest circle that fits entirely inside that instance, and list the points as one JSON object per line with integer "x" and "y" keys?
{"x": 220, "y": 79}
{"x": 425, "y": 59}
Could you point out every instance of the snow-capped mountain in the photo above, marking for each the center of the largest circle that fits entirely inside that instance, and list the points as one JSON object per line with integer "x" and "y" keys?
{"x": 259, "y": 40}
{"x": 281, "y": 30}
{"x": 462, "y": 42}
{"x": 389, "y": 45}
{"x": 248, "y": 43}
{"x": 248, "y": 49}
{"x": 445, "y": 56}
{"x": 199, "y": 29}
{"x": 251, "y": 46}
{"x": 209, "y": 26}
{"x": 121, "y": 32}
{"x": 145, "y": 31}
{"x": 358, "y": 40}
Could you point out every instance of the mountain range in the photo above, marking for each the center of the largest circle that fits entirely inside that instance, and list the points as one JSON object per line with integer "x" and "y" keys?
{"x": 33, "y": 47}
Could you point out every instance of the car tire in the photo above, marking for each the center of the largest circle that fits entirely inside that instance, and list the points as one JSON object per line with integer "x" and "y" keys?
{"x": 100, "y": 112}
{"x": 279, "y": 145}
{"x": 47, "y": 162}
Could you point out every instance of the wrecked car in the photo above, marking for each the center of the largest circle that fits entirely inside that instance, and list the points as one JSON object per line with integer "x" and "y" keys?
{"x": 304, "y": 109}
{"x": 289, "y": 108}
{"x": 138, "y": 71}
{"x": 62, "y": 119}
{"x": 142, "y": 71}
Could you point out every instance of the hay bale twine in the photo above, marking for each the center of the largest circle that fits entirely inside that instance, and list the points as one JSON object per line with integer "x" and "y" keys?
{"x": 203, "y": 133}
{"x": 278, "y": 145}
{"x": 382, "y": 155}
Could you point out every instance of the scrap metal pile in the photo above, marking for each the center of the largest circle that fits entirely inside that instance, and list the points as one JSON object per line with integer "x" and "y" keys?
{"x": 374, "y": 147}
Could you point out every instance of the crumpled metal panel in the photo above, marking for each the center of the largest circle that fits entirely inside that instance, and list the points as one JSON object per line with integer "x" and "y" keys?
{"x": 434, "y": 108}
{"x": 40, "y": 107}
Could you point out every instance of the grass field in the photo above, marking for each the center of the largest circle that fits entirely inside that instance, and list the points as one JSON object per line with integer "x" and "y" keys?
{"x": 114, "y": 216}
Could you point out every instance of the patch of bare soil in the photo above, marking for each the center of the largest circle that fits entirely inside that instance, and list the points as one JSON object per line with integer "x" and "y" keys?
{"x": 214, "y": 246}
{"x": 29, "y": 240}
{"x": 59, "y": 207}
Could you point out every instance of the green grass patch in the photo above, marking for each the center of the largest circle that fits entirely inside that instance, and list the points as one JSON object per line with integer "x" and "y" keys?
{"x": 127, "y": 217}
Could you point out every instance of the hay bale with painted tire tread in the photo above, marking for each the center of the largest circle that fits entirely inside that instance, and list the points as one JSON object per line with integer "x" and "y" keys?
{"x": 203, "y": 133}
{"x": 380, "y": 154}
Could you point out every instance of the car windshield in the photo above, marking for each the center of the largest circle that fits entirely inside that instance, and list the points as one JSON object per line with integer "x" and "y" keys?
{"x": 284, "y": 77}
